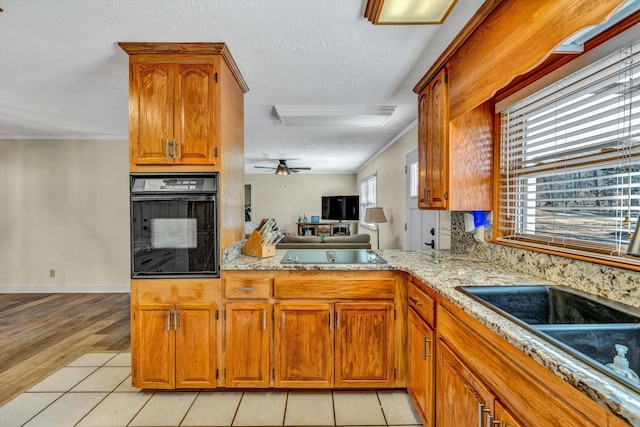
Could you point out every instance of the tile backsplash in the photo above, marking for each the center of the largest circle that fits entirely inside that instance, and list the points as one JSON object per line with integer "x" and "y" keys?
{"x": 611, "y": 282}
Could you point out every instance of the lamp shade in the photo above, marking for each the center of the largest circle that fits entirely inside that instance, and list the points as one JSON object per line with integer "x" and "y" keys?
{"x": 374, "y": 216}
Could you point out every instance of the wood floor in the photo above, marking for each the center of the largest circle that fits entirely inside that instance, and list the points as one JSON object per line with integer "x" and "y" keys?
{"x": 41, "y": 333}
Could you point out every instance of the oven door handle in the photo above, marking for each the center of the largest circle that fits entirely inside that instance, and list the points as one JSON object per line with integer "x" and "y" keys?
{"x": 166, "y": 197}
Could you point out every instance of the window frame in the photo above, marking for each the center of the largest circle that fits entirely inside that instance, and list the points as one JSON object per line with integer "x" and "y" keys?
{"x": 573, "y": 248}
{"x": 364, "y": 202}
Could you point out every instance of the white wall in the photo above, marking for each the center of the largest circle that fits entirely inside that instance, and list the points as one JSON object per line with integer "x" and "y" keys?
{"x": 65, "y": 207}
{"x": 284, "y": 197}
{"x": 390, "y": 184}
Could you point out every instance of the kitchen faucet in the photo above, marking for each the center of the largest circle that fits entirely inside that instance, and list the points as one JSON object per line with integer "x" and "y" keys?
{"x": 634, "y": 244}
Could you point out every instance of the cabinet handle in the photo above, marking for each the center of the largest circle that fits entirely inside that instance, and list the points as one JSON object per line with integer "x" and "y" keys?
{"x": 424, "y": 195}
{"x": 490, "y": 421}
{"x": 168, "y": 320}
{"x": 246, "y": 288}
{"x": 415, "y": 300}
{"x": 175, "y": 149}
{"x": 175, "y": 320}
{"x": 338, "y": 320}
{"x": 331, "y": 320}
{"x": 264, "y": 320}
{"x": 424, "y": 348}
{"x": 166, "y": 149}
{"x": 480, "y": 415}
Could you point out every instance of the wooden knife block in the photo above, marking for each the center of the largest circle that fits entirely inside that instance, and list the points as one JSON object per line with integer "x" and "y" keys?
{"x": 253, "y": 246}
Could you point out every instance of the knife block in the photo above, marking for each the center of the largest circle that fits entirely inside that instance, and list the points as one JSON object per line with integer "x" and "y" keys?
{"x": 254, "y": 246}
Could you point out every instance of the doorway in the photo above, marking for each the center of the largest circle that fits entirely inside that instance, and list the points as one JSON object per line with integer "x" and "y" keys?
{"x": 422, "y": 229}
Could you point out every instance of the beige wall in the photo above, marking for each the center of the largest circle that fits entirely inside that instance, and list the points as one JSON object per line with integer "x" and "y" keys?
{"x": 285, "y": 197}
{"x": 390, "y": 184}
{"x": 65, "y": 207}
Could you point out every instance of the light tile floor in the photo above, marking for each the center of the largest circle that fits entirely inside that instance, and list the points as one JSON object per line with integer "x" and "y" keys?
{"x": 95, "y": 391}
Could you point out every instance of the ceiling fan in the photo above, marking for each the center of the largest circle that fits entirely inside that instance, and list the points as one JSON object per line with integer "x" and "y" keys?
{"x": 283, "y": 169}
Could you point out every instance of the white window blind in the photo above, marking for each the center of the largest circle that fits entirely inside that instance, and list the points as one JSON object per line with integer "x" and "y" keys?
{"x": 570, "y": 161}
{"x": 367, "y": 195}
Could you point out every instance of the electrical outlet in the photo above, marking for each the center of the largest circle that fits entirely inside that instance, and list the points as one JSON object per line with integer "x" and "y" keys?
{"x": 52, "y": 273}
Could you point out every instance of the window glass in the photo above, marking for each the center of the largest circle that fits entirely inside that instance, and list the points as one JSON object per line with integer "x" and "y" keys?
{"x": 367, "y": 195}
{"x": 413, "y": 180}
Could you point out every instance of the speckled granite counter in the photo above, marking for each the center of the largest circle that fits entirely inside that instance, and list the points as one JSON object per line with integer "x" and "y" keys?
{"x": 443, "y": 271}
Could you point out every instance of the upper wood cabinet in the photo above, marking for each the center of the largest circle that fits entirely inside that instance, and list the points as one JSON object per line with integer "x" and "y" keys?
{"x": 433, "y": 137}
{"x": 172, "y": 114}
{"x": 454, "y": 157}
{"x": 185, "y": 106}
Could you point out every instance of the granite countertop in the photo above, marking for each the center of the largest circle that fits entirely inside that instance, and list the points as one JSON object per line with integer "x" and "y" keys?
{"x": 443, "y": 271}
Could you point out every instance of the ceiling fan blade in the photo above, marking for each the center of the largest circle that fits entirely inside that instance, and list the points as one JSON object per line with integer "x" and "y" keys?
{"x": 264, "y": 167}
{"x": 299, "y": 169}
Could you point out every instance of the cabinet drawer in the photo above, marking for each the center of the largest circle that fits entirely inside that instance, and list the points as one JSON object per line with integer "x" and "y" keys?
{"x": 422, "y": 303}
{"x": 246, "y": 288}
{"x": 333, "y": 289}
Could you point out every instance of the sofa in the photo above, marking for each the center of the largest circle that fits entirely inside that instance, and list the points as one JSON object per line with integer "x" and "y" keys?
{"x": 356, "y": 241}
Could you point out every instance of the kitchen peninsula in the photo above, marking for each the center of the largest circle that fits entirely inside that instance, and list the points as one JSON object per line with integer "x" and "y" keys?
{"x": 520, "y": 376}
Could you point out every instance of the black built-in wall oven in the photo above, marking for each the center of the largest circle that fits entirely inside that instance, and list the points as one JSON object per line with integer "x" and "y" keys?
{"x": 174, "y": 225}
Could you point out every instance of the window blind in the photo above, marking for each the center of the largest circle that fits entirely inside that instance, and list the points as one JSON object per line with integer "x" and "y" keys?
{"x": 570, "y": 161}
{"x": 367, "y": 195}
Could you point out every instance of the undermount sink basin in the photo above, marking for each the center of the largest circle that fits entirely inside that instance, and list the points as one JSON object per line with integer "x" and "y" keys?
{"x": 550, "y": 305}
{"x": 582, "y": 324}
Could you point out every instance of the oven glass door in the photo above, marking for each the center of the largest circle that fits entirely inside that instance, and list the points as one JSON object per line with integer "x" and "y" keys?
{"x": 174, "y": 236}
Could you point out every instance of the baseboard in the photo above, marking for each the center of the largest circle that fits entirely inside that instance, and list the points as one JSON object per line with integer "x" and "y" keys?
{"x": 63, "y": 289}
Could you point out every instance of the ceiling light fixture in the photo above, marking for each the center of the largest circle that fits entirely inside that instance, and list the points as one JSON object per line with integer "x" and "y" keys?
{"x": 282, "y": 169}
{"x": 413, "y": 12}
{"x": 292, "y": 115}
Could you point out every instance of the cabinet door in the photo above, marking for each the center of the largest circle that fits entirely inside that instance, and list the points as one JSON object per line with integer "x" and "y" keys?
{"x": 247, "y": 344}
{"x": 151, "y": 113}
{"x": 504, "y": 417}
{"x": 433, "y": 140}
{"x": 304, "y": 345}
{"x": 195, "y": 326}
{"x": 364, "y": 344}
{"x": 463, "y": 400}
{"x": 194, "y": 117}
{"x": 421, "y": 381}
{"x": 153, "y": 343}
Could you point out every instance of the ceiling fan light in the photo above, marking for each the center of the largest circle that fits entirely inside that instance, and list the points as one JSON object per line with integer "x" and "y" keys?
{"x": 282, "y": 170}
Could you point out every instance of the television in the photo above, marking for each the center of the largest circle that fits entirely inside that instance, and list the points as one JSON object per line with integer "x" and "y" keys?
{"x": 340, "y": 208}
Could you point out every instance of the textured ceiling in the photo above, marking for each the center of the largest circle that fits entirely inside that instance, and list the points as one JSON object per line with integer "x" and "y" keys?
{"x": 63, "y": 76}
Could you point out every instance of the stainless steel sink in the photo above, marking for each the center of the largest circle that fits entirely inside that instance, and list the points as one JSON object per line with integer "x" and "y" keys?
{"x": 582, "y": 324}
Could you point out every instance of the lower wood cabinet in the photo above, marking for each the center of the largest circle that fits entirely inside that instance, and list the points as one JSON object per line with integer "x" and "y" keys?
{"x": 174, "y": 345}
{"x": 463, "y": 400}
{"x": 421, "y": 366}
{"x": 248, "y": 339}
{"x": 319, "y": 345}
{"x": 304, "y": 345}
{"x": 364, "y": 344}
{"x": 483, "y": 380}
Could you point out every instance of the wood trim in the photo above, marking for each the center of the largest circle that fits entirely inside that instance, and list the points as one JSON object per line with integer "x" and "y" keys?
{"x": 517, "y": 37}
{"x": 556, "y": 61}
{"x": 462, "y": 36}
{"x": 163, "y": 48}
